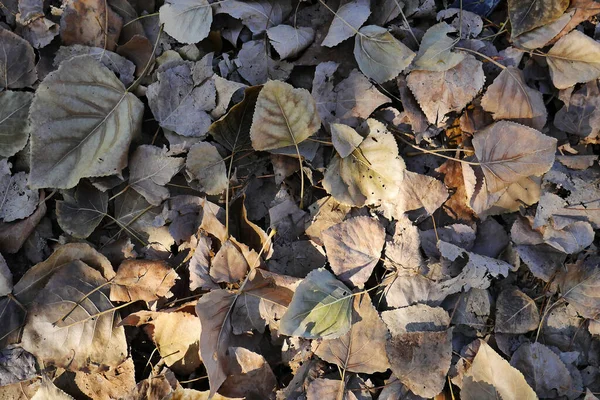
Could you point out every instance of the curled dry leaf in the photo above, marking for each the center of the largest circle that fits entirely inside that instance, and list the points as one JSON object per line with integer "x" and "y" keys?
{"x": 380, "y": 56}
{"x": 441, "y": 92}
{"x": 88, "y": 338}
{"x": 102, "y": 118}
{"x": 283, "y": 117}
{"x": 142, "y": 280}
{"x": 509, "y": 97}
{"x": 508, "y": 152}
{"x": 354, "y": 248}
{"x": 14, "y": 126}
{"x": 362, "y": 348}
{"x": 188, "y": 21}
{"x": 321, "y": 308}
{"x": 575, "y": 58}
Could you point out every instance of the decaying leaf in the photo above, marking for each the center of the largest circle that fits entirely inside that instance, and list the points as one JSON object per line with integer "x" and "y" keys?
{"x": 102, "y": 118}
{"x": 510, "y": 98}
{"x": 575, "y": 58}
{"x": 321, "y": 308}
{"x": 362, "y": 349}
{"x": 581, "y": 114}
{"x": 229, "y": 264}
{"x": 14, "y": 127}
{"x": 250, "y": 375}
{"x": 16, "y": 365}
{"x": 516, "y": 312}
{"x": 441, "y": 92}
{"x": 579, "y": 284}
{"x": 18, "y": 201}
{"x": 526, "y": 15}
{"x": 17, "y": 62}
{"x": 283, "y": 117}
{"x": 188, "y": 21}
{"x": 508, "y": 152}
{"x": 142, "y": 280}
{"x": 380, "y": 56}
{"x": 81, "y": 213}
{"x": 91, "y": 23}
{"x": 88, "y": 338}
{"x": 354, "y": 248}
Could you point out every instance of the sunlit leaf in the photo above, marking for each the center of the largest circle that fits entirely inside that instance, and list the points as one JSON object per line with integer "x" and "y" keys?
{"x": 142, "y": 280}
{"x": 575, "y": 58}
{"x": 380, "y": 56}
{"x": 321, "y": 308}
{"x": 82, "y": 123}
{"x": 284, "y": 116}
{"x": 348, "y": 19}
{"x": 435, "y": 50}
{"x": 345, "y": 139}
{"x": 188, "y": 21}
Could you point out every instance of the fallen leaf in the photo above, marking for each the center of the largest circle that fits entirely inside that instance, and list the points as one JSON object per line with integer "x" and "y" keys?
{"x": 289, "y": 41}
{"x": 508, "y": 152}
{"x": 18, "y": 201}
{"x": 321, "y": 308}
{"x": 362, "y": 349}
{"x": 284, "y": 116}
{"x": 345, "y": 139}
{"x": 542, "y": 35}
{"x": 17, "y": 62}
{"x": 380, "y": 56}
{"x": 435, "y": 50}
{"x": 88, "y": 339}
{"x": 48, "y": 390}
{"x": 250, "y": 375}
{"x": 142, "y": 280}
{"x": 526, "y": 15}
{"x": 516, "y": 312}
{"x": 348, "y": 19}
{"x": 188, "y": 21}
{"x": 229, "y": 264}
{"x": 16, "y": 365}
{"x": 79, "y": 215}
{"x": 441, "y": 92}
{"x": 91, "y": 23}
{"x": 354, "y": 248}
{"x": 578, "y": 286}
{"x": 256, "y": 66}
{"x": 100, "y": 127}
{"x": 581, "y": 114}
{"x": 14, "y": 127}
{"x": 509, "y": 97}
{"x": 205, "y": 165}
{"x": 490, "y": 377}
{"x": 257, "y": 15}
{"x": 584, "y": 10}
{"x": 575, "y": 58}
{"x": 116, "y": 383}
{"x": 179, "y": 105}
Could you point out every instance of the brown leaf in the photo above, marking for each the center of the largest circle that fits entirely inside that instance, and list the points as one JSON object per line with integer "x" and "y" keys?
{"x": 575, "y": 58}
{"x": 528, "y": 14}
{"x": 228, "y": 265}
{"x": 250, "y": 375}
{"x": 91, "y": 23}
{"x": 142, "y": 280}
{"x": 584, "y": 10}
{"x": 116, "y": 383}
{"x": 515, "y": 312}
{"x": 578, "y": 285}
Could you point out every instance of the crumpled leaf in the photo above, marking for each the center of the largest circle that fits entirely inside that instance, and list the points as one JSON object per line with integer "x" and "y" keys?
{"x": 257, "y": 15}
{"x": 354, "y": 248}
{"x": 17, "y": 62}
{"x": 142, "y": 280}
{"x": 80, "y": 214}
{"x": 441, "y": 92}
{"x": 371, "y": 174}
{"x": 578, "y": 285}
{"x": 515, "y": 312}
{"x": 526, "y": 15}
{"x": 321, "y": 308}
{"x": 91, "y": 23}
{"x": 86, "y": 340}
{"x": 435, "y": 50}
{"x": 16, "y": 365}
{"x": 362, "y": 348}
{"x": 491, "y": 377}
{"x": 283, "y": 117}
{"x": 575, "y": 58}
{"x": 188, "y": 21}
{"x": 150, "y": 169}
{"x": 14, "y": 125}
{"x": 380, "y": 56}
{"x": 509, "y": 97}
{"x": 508, "y": 152}
{"x": 17, "y": 200}
{"x": 205, "y": 165}
{"x": 348, "y": 19}
{"x": 289, "y": 41}
{"x": 101, "y": 117}
{"x": 179, "y": 105}
{"x": 543, "y": 370}
{"x": 420, "y": 347}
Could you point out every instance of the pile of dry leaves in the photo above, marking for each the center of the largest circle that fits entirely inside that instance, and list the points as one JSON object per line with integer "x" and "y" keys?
{"x": 299, "y": 199}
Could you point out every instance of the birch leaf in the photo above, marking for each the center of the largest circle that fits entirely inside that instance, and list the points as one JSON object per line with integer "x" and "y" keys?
{"x": 362, "y": 349}
{"x": 354, "y": 248}
{"x": 188, "y": 21}
{"x": 380, "y": 56}
{"x": 321, "y": 308}
{"x": 439, "y": 93}
{"x": 435, "y": 50}
{"x": 510, "y": 98}
{"x": 526, "y": 15}
{"x": 509, "y": 152}
{"x": 14, "y": 126}
{"x": 283, "y": 117}
{"x": 575, "y": 58}
{"x": 290, "y": 41}
{"x": 348, "y": 19}
{"x": 82, "y": 121}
